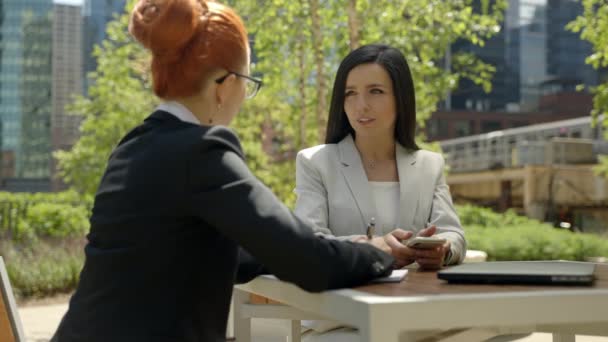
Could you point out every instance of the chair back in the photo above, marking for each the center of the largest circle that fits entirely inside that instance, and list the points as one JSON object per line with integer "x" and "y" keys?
{"x": 10, "y": 324}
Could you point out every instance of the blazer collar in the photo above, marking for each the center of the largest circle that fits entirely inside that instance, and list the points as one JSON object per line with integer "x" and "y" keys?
{"x": 352, "y": 169}
{"x": 409, "y": 183}
{"x": 161, "y": 115}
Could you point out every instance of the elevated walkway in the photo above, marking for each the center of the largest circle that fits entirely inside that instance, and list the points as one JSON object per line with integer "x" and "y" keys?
{"x": 538, "y": 191}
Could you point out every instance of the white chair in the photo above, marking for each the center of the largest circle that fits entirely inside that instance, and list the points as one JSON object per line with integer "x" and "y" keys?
{"x": 10, "y": 324}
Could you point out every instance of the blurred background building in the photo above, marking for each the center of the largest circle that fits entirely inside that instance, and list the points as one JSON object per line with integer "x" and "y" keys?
{"x": 532, "y": 48}
{"x": 25, "y": 92}
{"x": 45, "y": 54}
{"x": 96, "y": 15}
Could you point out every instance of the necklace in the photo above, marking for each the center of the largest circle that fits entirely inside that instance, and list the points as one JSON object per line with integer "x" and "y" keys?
{"x": 372, "y": 163}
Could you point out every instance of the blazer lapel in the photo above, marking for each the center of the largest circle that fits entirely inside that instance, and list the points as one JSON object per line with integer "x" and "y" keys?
{"x": 352, "y": 169}
{"x": 408, "y": 184}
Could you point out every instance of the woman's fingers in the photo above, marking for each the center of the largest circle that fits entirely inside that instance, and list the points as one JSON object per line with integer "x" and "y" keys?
{"x": 401, "y": 234}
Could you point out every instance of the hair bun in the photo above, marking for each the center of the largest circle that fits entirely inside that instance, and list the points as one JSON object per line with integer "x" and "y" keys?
{"x": 166, "y": 26}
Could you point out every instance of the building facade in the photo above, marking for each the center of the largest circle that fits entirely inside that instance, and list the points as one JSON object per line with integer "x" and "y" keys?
{"x": 25, "y": 88}
{"x": 67, "y": 71}
{"x": 96, "y": 15}
{"x": 532, "y": 48}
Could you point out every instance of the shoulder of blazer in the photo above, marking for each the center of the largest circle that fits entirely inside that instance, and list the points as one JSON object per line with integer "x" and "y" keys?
{"x": 202, "y": 137}
{"x": 425, "y": 156}
{"x": 431, "y": 163}
{"x": 220, "y": 136}
{"x": 319, "y": 151}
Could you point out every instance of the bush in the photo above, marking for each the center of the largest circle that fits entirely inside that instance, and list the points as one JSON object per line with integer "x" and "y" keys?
{"x": 471, "y": 215}
{"x": 511, "y": 237}
{"x": 14, "y": 209}
{"x": 52, "y": 220}
{"x": 534, "y": 242}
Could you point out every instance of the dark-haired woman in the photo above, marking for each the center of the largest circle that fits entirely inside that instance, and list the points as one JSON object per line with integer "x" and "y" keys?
{"x": 371, "y": 169}
{"x": 178, "y": 217}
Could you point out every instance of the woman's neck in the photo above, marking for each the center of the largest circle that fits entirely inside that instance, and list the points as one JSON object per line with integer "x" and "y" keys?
{"x": 201, "y": 109}
{"x": 376, "y": 149}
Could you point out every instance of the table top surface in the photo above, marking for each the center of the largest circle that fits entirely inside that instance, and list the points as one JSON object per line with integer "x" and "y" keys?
{"x": 425, "y": 283}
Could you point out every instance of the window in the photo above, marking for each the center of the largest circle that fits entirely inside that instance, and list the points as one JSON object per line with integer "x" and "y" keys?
{"x": 463, "y": 128}
{"x": 490, "y": 126}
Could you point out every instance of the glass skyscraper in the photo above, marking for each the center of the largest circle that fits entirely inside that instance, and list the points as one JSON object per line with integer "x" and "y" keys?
{"x": 25, "y": 87}
{"x": 97, "y": 14}
{"x": 532, "y": 49}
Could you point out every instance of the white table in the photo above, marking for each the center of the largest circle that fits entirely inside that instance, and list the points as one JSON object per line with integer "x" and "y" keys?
{"x": 422, "y": 305}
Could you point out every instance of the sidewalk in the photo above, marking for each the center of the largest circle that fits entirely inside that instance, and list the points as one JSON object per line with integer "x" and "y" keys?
{"x": 40, "y": 322}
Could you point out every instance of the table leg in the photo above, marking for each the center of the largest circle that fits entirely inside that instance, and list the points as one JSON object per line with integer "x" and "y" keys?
{"x": 374, "y": 334}
{"x": 564, "y": 337}
{"x": 230, "y": 325}
{"x": 296, "y": 331}
{"x": 242, "y": 325}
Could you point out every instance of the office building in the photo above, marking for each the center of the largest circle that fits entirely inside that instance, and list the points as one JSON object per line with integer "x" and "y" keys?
{"x": 25, "y": 88}
{"x": 532, "y": 51}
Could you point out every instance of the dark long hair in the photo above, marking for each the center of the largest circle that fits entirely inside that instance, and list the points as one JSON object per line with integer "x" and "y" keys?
{"x": 393, "y": 61}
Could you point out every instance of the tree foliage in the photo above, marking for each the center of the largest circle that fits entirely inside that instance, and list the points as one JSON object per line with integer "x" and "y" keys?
{"x": 298, "y": 45}
{"x": 118, "y": 100}
{"x": 593, "y": 27}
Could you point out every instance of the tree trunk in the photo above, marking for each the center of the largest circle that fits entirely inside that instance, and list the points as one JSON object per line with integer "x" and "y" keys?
{"x": 302, "y": 90}
{"x": 317, "y": 44}
{"x": 354, "y": 25}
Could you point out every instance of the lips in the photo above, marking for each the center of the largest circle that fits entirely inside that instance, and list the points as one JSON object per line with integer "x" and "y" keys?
{"x": 365, "y": 120}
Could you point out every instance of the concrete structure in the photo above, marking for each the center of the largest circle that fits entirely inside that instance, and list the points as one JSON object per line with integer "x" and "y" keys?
{"x": 543, "y": 170}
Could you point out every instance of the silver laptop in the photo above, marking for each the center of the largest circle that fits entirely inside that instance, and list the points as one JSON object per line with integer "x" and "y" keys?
{"x": 521, "y": 272}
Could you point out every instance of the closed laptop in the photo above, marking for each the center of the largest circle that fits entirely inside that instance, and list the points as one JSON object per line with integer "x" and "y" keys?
{"x": 521, "y": 272}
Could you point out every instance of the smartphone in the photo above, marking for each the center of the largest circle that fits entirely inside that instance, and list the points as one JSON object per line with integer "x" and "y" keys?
{"x": 424, "y": 242}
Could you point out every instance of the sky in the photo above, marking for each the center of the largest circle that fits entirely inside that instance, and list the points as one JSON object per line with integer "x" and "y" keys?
{"x": 69, "y": 2}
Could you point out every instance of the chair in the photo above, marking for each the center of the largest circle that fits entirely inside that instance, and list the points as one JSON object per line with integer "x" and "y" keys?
{"x": 10, "y": 324}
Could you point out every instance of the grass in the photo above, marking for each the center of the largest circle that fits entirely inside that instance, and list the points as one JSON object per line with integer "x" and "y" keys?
{"x": 43, "y": 268}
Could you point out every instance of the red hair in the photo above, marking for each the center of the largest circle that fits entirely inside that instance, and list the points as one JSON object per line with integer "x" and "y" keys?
{"x": 188, "y": 38}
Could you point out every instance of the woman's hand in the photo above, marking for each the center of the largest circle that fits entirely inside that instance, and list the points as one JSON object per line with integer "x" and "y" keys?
{"x": 432, "y": 258}
{"x": 392, "y": 244}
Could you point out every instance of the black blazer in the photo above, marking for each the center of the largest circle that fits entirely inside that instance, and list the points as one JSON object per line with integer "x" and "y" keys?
{"x": 173, "y": 207}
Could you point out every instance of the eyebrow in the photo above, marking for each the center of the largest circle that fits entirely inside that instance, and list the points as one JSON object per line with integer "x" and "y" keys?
{"x": 373, "y": 85}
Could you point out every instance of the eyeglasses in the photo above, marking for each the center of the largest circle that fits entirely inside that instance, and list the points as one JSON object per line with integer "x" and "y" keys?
{"x": 253, "y": 84}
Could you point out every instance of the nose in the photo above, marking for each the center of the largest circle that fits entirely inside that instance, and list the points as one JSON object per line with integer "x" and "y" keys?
{"x": 361, "y": 104}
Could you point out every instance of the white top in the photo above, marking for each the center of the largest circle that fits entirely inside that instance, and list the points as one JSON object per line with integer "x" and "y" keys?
{"x": 386, "y": 197}
{"x": 178, "y": 110}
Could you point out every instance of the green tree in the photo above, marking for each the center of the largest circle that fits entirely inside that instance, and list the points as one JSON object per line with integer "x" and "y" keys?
{"x": 593, "y": 27}
{"x": 118, "y": 100}
{"x": 299, "y": 45}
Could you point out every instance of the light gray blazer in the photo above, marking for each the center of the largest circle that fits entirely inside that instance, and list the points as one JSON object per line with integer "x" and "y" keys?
{"x": 333, "y": 193}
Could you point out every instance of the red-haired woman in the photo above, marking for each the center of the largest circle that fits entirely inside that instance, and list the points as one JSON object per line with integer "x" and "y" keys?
{"x": 178, "y": 217}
